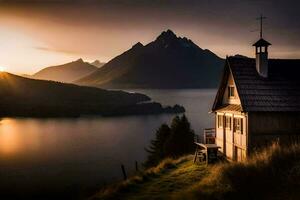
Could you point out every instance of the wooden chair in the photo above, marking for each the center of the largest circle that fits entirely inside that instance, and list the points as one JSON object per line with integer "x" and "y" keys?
{"x": 202, "y": 155}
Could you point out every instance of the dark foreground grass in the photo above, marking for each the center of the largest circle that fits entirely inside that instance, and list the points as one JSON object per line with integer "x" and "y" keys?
{"x": 271, "y": 174}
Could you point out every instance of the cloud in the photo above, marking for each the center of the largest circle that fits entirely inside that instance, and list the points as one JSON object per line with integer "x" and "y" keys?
{"x": 109, "y": 27}
{"x": 56, "y": 50}
{"x": 38, "y": 1}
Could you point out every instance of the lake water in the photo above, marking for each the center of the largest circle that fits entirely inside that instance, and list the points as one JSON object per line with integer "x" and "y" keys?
{"x": 57, "y": 157}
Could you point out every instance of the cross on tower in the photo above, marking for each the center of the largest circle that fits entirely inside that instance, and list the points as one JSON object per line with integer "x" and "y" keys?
{"x": 261, "y": 18}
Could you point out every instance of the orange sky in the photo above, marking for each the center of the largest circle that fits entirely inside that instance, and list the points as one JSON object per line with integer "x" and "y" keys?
{"x": 36, "y": 35}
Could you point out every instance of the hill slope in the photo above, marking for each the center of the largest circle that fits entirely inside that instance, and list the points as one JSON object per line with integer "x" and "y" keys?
{"x": 160, "y": 182}
{"x": 271, "y": 174}
{"x": 167, "y": 62}
{"x": 28, "y": 97}
{"x": 68, "y": 72}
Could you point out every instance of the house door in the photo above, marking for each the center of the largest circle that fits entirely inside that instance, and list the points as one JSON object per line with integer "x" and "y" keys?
{"x": 238, "y": 154}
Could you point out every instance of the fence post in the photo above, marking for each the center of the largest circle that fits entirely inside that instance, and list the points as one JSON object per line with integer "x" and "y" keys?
{"x": 136, "y": 166}
{"x": 124, "y": 172}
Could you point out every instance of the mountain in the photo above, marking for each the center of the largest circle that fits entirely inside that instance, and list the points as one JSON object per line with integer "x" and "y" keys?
{"x": 97, "y": 63}
{"x": 38, "y": 98}
{"x": 68, "y": 72}
{"x": 240, "y": 56}
{"x": 167, "y": 62}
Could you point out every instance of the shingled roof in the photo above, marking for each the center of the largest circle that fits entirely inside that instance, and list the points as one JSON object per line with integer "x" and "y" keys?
{"x": 261, "y": 42}
{"x": 279, "y": 92}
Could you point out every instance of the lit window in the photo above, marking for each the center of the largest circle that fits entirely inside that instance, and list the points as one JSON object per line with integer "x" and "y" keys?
{"x": 220, "y": 121}
{"x": 230, "y": 91}
{"x": 238, "y": 125}
{"x": 228, "y": 122}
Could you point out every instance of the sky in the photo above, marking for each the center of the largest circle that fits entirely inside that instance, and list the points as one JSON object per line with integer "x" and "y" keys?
{"x": 38, "y": 33}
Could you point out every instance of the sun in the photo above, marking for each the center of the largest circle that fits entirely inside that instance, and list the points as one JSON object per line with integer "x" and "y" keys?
{"x": 2, "y": 69}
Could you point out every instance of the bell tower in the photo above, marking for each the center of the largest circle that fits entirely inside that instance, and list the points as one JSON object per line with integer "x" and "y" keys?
{"x": 261, "y": 52}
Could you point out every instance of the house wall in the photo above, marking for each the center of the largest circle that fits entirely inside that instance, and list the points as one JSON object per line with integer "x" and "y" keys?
{"x": 232, "y": 143}
{"x": 266, "y": 127}
{"x": 219, "y": 132}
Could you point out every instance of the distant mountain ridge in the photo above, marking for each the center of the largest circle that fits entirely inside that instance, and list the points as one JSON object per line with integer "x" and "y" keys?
{"x": 68, "y": 72}
{"x": 39, "y": 98}
{"x": 97, "y": 63}
{"x": 167, "y": 62}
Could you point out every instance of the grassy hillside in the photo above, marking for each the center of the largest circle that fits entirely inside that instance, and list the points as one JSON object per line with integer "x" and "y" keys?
{"x": 271, "y": 174}
{"x": 168, "y": 178}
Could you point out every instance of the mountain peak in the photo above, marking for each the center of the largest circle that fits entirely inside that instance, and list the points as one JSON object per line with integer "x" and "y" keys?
{"x": 67, "y": 72}
{"x": 79, "y": 60}
{"x": 167, "y": 35}
{"x": 168, "y": 39}
{"x": 96, "y": 62}
{"x": 180, "y": 62}
{"x": 137, "y": 45}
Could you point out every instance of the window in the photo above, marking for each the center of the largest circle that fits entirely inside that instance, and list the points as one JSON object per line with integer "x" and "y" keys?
{"x": 238, "y": 125}
{"x": 231, "y": 92}
{"x": 220, "y": 121}
{"x": 228, "y": 122}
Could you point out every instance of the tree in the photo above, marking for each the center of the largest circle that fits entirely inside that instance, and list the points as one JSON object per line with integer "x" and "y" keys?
{"x": 181, "y": 140}
{"x": 173, "y": 141}
{"x": 157, "y": 146}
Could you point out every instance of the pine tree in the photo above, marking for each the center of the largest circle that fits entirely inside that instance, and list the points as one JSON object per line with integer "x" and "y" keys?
{"x": 173, "y": 141}
{"x": 157, "y": 147}
{"x": 188, "y": 136}
{"x": 181, "y": 140}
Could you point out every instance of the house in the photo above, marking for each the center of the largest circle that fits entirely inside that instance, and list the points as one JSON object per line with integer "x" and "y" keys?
{"x": 258, "y": 102}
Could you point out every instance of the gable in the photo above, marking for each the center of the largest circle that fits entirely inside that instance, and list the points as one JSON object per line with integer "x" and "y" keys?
{"x": 227, "y": 99}
{"x": 222, "y": 98}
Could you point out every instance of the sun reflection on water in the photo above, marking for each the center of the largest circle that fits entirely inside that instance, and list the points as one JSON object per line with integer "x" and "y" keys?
{"x": 19, "y": 136}
{"x": 9, "y": 140}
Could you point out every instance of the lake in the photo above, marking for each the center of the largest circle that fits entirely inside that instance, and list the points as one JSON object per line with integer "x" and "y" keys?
{"x": 71, "y": 157}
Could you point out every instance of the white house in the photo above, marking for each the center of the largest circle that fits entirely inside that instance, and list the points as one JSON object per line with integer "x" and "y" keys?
{"x": 258, "y": 101}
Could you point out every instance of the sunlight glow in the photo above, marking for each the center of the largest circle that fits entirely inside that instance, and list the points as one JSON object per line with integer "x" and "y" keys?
{"x": 14, "y": 141}
{"x": 2, "y": 69}
{"x": 20, "y": 55}
{"x": 9, "y": 142}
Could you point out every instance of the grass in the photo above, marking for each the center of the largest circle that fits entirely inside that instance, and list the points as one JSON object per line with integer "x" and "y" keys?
{"x": 273, "y": 173}
{"x": 161, "y": 182}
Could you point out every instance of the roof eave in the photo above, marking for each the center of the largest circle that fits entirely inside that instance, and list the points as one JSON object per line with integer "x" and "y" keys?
{"x": 237, "y": 87}
{"x": 262, "y": 42}
{"x": 219, "y": 88}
